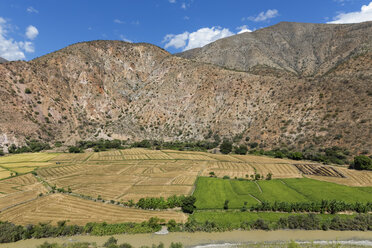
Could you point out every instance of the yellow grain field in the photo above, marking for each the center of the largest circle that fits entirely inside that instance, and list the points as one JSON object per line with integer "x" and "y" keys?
{"x": 58, "y": 207}
{"x": 4, "y": 174}
{"x": 353, "y": 177}
{"x": 28, "y": 157}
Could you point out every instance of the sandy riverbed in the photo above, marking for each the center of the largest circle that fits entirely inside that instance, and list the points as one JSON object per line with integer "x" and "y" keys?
{"x": 199, "y": 238}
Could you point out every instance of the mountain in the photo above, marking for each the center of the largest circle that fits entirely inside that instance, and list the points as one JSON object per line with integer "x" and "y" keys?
{"x": 301, "y": 48}
{"x": 3, "y": 60}
{"x": 114, "y": 89}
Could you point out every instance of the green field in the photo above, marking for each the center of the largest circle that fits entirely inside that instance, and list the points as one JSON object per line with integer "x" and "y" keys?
{"x": 211, "y": 193}
{"x": 233, "y": 219}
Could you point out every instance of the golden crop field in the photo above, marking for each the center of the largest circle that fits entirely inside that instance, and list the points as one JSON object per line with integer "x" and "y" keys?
{"x": 57, "y": 207}
{"x": 123, "y": 175}
{"x": 353, "y": 177}
{"x": 4, "y": 174}
{"x": 28, "y": 157}
{"x": 19, "y": 189}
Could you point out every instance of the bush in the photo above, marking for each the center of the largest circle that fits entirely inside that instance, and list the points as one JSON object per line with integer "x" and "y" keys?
{"x": 362, "y": 163}
{"x": 111, "y": 241}
{"x": 176, "y": 245}
{"x": 242, "y": 150}
{"x": 269, "y": 176}
{"x": 27, "y": 91}
{"x": 1, "y": 152}
{"x": 226, "y": 205}
{"x": 226, "y": 147}
{"x": 74, "y": 149}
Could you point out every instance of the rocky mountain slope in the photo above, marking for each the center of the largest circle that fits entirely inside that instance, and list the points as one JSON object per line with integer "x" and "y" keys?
{"x": 301, "y": 48}
{"x": 113, "y": 89}
{"x": 3, "y": 60}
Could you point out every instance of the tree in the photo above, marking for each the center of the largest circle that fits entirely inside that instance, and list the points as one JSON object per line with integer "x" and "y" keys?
{"x": 257, "y": 176}
{"x": 226, "y": 147}
{"x": 188, "y": 204}
{"x": 296, "y": 155}
{"x": 269, "y": 176}
{"x": 212, "y": 174}
{"x": 362, "y": 163}
{"x": 27, "y": 91}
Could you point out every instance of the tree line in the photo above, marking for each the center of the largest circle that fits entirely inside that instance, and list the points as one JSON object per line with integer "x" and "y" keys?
{"x": 361, "y": 222}
{"x": 11, "y": 233}
{"x": 325, "y": 206}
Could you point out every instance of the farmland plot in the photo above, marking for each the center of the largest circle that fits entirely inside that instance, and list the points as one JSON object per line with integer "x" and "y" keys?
{"x": 71, "y": 157}
{"x": 28, "y": 157}
{"x": 123, "y": 180}
{"x": 58, "y": 207}
{"x": 352, "y": 177}
{"x": 19, "y": 189}
{"x": 4, "y": 173}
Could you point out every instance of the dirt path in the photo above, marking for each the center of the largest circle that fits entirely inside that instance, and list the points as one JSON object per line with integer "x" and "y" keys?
{"x": 258, "y": 186}
{"x": 199, "y": 238}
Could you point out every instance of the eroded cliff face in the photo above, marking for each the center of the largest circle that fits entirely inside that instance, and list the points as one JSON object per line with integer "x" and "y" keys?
{"x": 113, "y": 89}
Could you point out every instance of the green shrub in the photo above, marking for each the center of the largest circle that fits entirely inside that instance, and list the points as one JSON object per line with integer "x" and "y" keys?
{"x": 242, "y": 150}
{"x": 226, "y": 147}
{"x": 362, "y": 163}
{"x": 27, "y": 91}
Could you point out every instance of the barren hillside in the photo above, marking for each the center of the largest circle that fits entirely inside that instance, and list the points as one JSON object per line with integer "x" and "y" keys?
{"x": 113, "y": 89}
{"x": 301, "y": 48}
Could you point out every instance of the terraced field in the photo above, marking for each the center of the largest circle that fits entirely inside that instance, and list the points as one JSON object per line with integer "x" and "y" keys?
{"x": 19, "y": 189}
{"x": 57, "y": 207}
{"x": 123, "y": 175}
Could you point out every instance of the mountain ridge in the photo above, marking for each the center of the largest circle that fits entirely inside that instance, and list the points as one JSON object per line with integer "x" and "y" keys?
{"x": 303, "y": 48}
{"x": 114, "y": 89}
{"x": 2, "y": 60}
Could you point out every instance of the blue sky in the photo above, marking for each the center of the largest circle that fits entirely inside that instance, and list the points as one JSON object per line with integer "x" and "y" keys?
{"x": 32, "y": 28}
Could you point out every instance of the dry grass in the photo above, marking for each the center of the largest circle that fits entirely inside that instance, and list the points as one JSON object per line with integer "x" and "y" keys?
{"x": 57, "y": 207}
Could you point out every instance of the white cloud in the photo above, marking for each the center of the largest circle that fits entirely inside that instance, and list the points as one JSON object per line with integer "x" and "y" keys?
{"x": 123, "y": 38}
{"x": 172, "y": 1}
{"x": 119, "y": 21}
{"x": 32, "y": 10}
{"x": 263, "y": 16}
{"x": 27, "y": 46}
{"x": 183, "y": 6}
{"x": 243, "y": 29}
{"x": 31, "y": 32}
{"x": 195, "y": 39}
{"x": 365, "y": 14}
{"x": 176, "y": 41}
{"x": 9, "y": 48}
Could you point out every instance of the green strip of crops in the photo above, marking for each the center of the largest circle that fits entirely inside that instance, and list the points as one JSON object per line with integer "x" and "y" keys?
{"x": 211, "y": 193}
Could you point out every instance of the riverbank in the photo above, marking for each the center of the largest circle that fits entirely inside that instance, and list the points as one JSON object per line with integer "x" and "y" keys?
{"x": 202, "y": 238}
